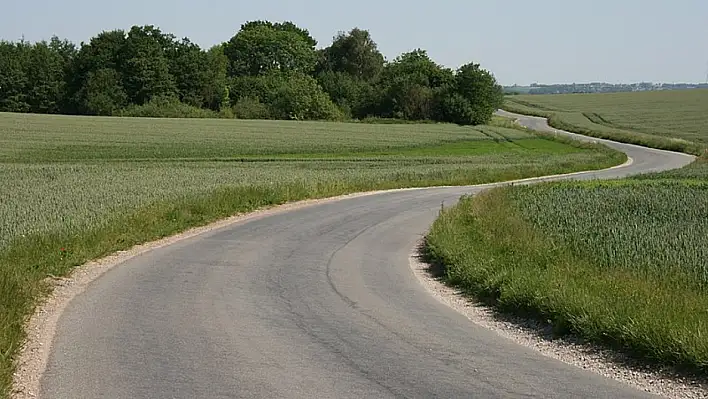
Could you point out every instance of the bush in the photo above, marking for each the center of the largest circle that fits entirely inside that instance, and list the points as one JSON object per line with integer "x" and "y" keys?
{"x": 301, "y": 98}
{"x": 165, "y": 107}
{"x": 250, "y": 108}
{"x": 103, "y": 93}
{"x": 350, "y": 94}
{"x": 453, "y": 107}
{"x": 291, "y": 95}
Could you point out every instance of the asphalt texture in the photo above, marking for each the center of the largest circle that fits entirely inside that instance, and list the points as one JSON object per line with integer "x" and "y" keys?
{"x": 317, "y": 302}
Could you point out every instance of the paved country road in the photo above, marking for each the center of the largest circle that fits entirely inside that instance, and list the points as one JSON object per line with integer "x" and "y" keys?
{"x": 316, "y": 302}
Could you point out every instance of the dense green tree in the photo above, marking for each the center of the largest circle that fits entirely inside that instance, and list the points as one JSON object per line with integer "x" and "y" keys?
{"x": 286, "y": 26}
{"x": 188, "y": 66}
{"x": 33, "y": 76}
{"x": 146, "y": 68}
{"x": 215, "y": 91}
{"x": 299, "y": 97}
{"x": 450, "y": 106}
{"x": 259, "y": 48}
{"x": 482, "y": 91}
{"x": 354, "y": 53}
{"x": 417, "y": 67}
{"x": 408, "y": 83}
{"x": 14, "y": 61}
{"x": 103, "y": 92}
{"x": 290, "y": 95}
{"x": 104, "y": 51}
{"x": 350, "y": 94}
{"x": 46, "y": 75}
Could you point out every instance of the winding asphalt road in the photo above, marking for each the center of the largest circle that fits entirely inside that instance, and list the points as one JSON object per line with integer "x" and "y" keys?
{"x": 318, "y": 302}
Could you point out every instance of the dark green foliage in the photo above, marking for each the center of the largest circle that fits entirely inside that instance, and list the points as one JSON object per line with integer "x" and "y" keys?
{"x": 453, "y": 107}
{"x": 480, "y": 88}
{"x": 215, "y": 89}
{"x": 103, "y": 93}
{"x": 103, "y": 52}
{"x": 46, "y": 69}
{"x": 260, "y": 48}
{"x": 286, "y": 26}
{"x": 355, "y": 54}
{"x": 147, "y": 67}
{"x": 250, "y": 108}
{"x": 165, "y": 107}
{"x": 257, "y": 87}
{"x": 299, "y": 97}
{"x": 267, "y": 70}
{"x": 188, "y": 65}
{"x": 14, "y": 58}
{"x": 408, "y": 84}
{"x": 352, "y": 95}
{"x": 291, "y": 95}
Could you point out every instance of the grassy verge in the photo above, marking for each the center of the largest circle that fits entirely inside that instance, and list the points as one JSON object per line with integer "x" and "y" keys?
{"x": 585, "y": 123}
{"x": 75, "y": 189}
{"x": 620, "y": 263}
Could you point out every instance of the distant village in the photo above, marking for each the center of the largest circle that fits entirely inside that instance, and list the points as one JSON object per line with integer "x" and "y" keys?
{"x": 536, "y": 88}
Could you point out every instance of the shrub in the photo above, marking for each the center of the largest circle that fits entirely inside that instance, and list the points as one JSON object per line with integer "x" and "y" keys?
{"x": 299, "y": 96}
{"x": 250, "y": 108}
{"x": 165, "y": 107}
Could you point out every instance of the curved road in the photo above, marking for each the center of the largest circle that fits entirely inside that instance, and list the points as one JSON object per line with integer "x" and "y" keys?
{"x": 317, "y": 302}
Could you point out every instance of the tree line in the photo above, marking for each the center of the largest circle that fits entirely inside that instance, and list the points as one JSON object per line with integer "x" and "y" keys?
{"x": 267, "y": 70}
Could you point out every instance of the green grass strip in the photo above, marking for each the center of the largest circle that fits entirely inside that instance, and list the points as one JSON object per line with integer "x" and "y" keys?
{"x": 486, "y": 247}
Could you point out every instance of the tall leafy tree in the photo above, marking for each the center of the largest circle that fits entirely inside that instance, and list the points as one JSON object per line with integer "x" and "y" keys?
{"x": 349, "y": 93}
{"x": 354, "y": 53}
{"x": 286, "y": 26}
{"x": 480, "y": 88}
{"x": 67, "y": 52}
{"x": 104, "y": 51}
{"x": 14, "y": 61}
{"x": 215, "y": 92}
{"x": 200, "y": 76}
{"x": 188, "y": 65}
{"x": 146, "y": 68}
{"x": 46, "y": 75}
{"x": 408, "y": 85}
{"x": 260, "y": 47}
{"x": 103, "y": 93}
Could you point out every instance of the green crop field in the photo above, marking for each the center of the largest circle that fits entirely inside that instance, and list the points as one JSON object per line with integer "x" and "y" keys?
{"x": 676, "y": 120}
{"x": 619, "y": 262}
{"x": 76, "y": 188}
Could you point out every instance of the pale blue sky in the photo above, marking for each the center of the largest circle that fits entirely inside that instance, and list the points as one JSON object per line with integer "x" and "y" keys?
{"x": 520, "y": 41}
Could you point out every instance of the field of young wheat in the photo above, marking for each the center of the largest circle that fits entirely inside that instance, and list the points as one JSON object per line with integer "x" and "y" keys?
{"x": 674, "y": 120}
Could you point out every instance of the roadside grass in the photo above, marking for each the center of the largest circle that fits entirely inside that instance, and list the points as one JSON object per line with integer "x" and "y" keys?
{"x": 671, "y": 120}
{"x": 618, "y": 262}
{"x": 74, "y": 189}
{"x": 696, "y": 171}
